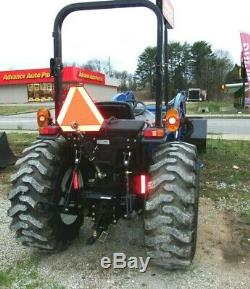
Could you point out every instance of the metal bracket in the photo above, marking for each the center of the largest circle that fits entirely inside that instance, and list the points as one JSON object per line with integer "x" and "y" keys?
{"x": 126, "y": 159}
{"x": 91, "y": 159}
{"x": 103, "y": 236}
{"x": 60, "y": 208}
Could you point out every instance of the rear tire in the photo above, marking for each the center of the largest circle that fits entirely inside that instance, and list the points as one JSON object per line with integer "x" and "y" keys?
{"x": 38, "y": 182}
{"x": 171, "y": 209}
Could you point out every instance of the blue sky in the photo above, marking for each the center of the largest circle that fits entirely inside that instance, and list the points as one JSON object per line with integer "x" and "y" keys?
{"x": 26, "y": 28}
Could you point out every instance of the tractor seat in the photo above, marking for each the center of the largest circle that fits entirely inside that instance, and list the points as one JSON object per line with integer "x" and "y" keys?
{"x": 117, "y": 109}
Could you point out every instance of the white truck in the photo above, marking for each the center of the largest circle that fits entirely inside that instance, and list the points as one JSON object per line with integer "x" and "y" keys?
{"x": 196, "y": 94}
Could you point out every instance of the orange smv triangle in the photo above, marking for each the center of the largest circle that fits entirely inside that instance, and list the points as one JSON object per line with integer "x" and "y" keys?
{"x": 79, "y": 112}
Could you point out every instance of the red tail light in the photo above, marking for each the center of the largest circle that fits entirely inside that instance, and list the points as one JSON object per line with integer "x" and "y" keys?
{"x": 140, "y": 184}
{"x": 50, "y": 130}
{"x": 75, "y": 180}
{"x": 154, "y": 132}
{"x": 143, "y": 184}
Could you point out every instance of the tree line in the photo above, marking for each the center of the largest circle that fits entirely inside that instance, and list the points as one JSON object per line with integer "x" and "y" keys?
{"x": 196, "y": 66}
{"x": 189, "y": 66}
{"x": 127, "y": 80}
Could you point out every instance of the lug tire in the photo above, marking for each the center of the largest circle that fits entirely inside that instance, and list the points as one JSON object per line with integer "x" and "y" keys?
{"x": 35, "y": 185}
{"x": 171, "y": 209}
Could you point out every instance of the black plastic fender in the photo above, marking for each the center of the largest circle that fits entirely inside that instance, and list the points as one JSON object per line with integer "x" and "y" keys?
{"x": 7, "y": 158}
{"x": 198, "y": 136}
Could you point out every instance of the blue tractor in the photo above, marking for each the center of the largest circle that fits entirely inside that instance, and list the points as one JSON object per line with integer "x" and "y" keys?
{"x": 110, "y": 160}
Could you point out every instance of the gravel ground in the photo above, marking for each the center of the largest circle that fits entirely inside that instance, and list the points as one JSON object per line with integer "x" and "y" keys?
{"x": 10, "y": 251}
{"x": 220, "y": 263}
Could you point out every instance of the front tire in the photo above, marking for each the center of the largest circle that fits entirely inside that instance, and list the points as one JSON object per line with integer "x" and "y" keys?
{"x": 171, "y": 209}
{"x": 39, "y": 183}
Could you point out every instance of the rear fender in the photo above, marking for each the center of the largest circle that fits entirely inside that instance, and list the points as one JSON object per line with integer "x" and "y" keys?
{"x": 198, "y": 134}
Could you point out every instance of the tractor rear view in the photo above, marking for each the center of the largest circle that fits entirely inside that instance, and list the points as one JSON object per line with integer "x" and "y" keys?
{"x": 106, "y": 161}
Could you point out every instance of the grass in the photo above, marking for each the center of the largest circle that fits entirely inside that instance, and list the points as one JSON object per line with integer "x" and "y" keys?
{"x": 24, "y": 274}
{"x": 225, "y": 178}
{"x": 9, "y": 109}
{"x": 5, "y": 280}
{"x": 220, "y": 158}
{"x": 246, "y": 216}
{"x": 18, "y": 142}
{"x": 214, "y": 107}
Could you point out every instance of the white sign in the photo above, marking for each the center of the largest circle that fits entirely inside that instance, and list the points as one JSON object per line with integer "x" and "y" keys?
{"x": 121, "y": 261}
{"x": 168, "y": 12}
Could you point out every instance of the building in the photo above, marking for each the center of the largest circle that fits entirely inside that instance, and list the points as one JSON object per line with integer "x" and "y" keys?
{"x": 36, "y": 85}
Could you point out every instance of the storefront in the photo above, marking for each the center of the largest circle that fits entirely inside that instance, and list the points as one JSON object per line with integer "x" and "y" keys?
{"x": 36, "y": 85}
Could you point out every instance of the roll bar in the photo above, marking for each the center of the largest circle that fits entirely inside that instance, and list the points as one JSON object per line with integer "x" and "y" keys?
{"x": 56, "y": 62}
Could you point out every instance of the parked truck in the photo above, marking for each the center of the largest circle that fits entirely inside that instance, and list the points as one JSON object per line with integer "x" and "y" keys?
{"x": 196, "y": 94}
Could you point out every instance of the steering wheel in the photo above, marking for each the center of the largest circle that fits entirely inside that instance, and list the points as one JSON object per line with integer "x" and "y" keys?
{"x": 139, "y": 108}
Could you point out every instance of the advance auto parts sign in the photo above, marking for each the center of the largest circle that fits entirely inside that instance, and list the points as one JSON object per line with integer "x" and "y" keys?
{"x": 42, "y": 75}
{"x": 25, "y": 76}
{"x": 92, "y": 77}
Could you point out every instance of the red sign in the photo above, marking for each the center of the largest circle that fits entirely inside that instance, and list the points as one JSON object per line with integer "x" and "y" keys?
{"x": 89, "y": 76}
{"x": 42, "y": 75}
{"x": 245, "y": 40}
{"x": 25, "y": 76}
{"x": 168, "y": 12}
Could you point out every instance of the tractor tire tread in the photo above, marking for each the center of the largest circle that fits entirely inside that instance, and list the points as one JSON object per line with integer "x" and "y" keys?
{"x": 32, "y": 185}
{"x": 171, "y": 207}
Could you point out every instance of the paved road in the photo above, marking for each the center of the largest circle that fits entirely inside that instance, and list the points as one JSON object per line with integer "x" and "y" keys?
{"x": 229, "y": 126}
{"x": 215, "y": 126}
{"x": 20, "y": 121}
{"x": 26, "y": 121}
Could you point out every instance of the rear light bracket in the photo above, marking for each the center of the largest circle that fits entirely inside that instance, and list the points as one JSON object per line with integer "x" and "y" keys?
{"x": 154, "y": 140}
